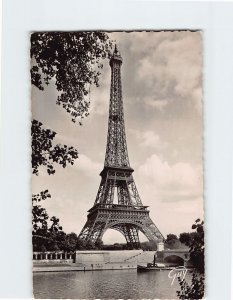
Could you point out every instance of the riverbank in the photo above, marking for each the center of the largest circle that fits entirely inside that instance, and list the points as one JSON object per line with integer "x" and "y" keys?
{"x": 61, "y": 267}
{"x": 91, "y": 260}
{"x": 103, "y": 260}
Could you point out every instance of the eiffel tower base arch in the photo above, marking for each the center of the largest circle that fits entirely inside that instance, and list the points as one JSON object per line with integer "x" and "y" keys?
{"x": 125, "y": 219}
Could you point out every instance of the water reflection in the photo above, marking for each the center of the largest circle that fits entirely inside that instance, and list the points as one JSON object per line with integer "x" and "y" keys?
{"x": 115, "y": 284}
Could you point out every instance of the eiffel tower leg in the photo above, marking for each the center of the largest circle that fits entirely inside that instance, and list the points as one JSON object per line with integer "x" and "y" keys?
{"x": 92, "y": 230}
{"x": 134, "y": 237}
{"x": 96, "y": 224}
{"x": 130, "y": 233}
{"x": 106, "y": 192}
{"x": 122, "y": 230}
{"x": 151, "y": 231}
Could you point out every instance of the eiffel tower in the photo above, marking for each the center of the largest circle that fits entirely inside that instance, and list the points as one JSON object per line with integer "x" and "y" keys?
{"x": 128, "y": 215}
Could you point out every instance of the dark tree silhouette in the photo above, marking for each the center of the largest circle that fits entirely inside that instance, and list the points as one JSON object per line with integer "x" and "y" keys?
{"x": 193, "y": 291}
{"x": 73, "y": 60}
{"x": 185, "y": 238}
{"x": 171, "y": 237}
{"x": 44, "y": 153}
{"x": 44, "y": 229}
{"x": 39, "y": 214}
{"x": 197, "y": 246}
{"x": 171, "y": 241}
{"x": 195, "y": 241}
{"x": 71, "y": 241}
{"x": 196, "y": 289}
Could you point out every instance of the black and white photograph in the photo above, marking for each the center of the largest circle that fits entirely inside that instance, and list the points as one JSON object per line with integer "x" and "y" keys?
{"x": 117, "y": 171}
{"x": 116, "y": 149}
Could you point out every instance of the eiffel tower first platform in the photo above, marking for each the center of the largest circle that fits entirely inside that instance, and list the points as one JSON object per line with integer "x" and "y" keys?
{"x": 128, "y": 215}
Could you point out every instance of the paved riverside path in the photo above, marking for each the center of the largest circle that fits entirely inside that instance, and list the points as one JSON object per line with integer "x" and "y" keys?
{"x": 82, "y": 267}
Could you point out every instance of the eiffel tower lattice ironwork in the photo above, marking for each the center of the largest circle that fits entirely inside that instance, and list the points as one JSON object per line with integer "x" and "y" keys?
{"x": 128, "y": 215}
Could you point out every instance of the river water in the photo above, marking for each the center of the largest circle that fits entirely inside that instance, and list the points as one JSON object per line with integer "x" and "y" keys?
{"x": 112, "y": 284}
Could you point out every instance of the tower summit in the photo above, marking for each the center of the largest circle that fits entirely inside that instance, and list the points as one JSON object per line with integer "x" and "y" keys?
{"x": 127, "y": 215}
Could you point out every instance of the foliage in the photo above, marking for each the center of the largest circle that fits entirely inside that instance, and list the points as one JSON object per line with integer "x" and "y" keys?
{"x": 119, "y": 246}
{"x": 195, "y": 241}
{"x": 81, "y": 244}
{"x": 43, "y": 228}
{"x": 174, "y": 244}
{"x": 197, "y": 247}
{"x": 149, "y": 246}
{"x": 171, "y": 242}
{"x": 115, "y": 246}
{"x": 47, "y": 233}
{"x": 44, "y": 153}
{"x": 39, "y": 214}
{"x": 72, "y": 241}
{"x": 55, "y": 226}
{"x": 74, "y": 61}
{"x": 193, "y": 291}
{"x": 185, "y": 237}
{"x": 171, "y": 237}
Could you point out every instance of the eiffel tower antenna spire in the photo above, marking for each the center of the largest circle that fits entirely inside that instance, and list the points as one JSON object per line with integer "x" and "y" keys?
{"x": 128, "y": 215}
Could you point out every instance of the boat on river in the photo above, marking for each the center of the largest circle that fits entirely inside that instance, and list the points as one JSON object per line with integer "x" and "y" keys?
{"x": 153, "y": 267}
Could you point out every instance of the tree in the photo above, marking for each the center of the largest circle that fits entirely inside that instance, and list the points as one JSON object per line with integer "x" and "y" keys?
{"x": 171, "y": 240}
{"x": 81, "y": 244}
{"x": 149, "y": 246}
{"x": 90, "y": 246}
{"x": 71, "y": 241}
{"x": 55, "y": 226}
{"x": 195, "y": 241}
{"x": 73, "y": 60}
{"x": 193, "y": 291}
{"x": 197, "y": 246}
{"x": 185, "y": 238}
{"x": 44, "y": 153}
{"x": 44, "y": 229}
{"x": 39, "y": 214}
{"x": 171, "y": 237}
{"x": 196, "y": 289}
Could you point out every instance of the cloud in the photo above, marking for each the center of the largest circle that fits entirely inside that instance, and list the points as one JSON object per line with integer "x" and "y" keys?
{"x": 99, "y": 96}
{"x": 173, "y": 70}
{"x": 173, "y": 192}
{"x": 159, "y": 104}
{"x": 149, "y": 139}
{"x": 171, "y": 182}
{"x": 88, "y": 167}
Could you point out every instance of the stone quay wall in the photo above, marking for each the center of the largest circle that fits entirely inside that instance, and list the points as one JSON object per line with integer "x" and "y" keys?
{"x": 91, "y": 260}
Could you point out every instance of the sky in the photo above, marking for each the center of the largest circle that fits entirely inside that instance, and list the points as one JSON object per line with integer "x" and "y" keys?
{"x": 162, "y": 95}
